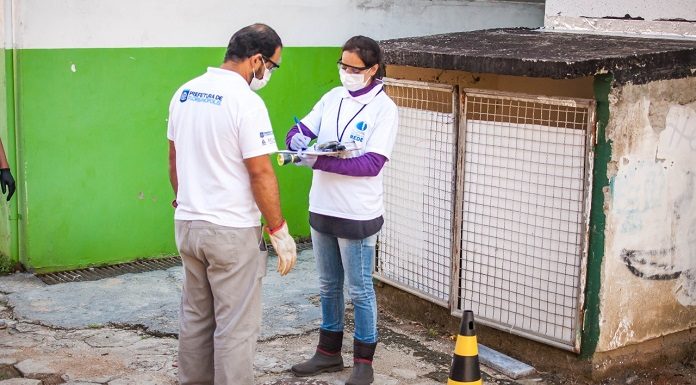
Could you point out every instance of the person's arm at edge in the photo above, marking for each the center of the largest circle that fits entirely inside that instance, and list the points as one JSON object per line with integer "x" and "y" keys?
{"x": 7, "y": 182}
{"x": 3, "y": 158}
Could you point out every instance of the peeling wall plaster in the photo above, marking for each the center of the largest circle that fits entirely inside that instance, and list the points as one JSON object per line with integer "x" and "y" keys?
{"x": 672, "y": 18}
{"x": 649, "y": 271}
{"x": 661, "y": 29}
{"x": 646, "y": 9}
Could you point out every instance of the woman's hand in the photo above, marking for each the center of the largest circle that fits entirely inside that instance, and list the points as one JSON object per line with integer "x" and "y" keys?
{"x": 306, "y": 160}
{"x": 299, "y": 142}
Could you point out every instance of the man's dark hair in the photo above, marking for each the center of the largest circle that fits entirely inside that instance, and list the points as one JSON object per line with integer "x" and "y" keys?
{"x": 368, "y": 51}
{"x": 253, "y": 39}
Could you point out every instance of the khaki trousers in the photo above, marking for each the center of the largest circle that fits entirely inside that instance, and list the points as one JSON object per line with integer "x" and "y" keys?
{"x": 220, "y": 313}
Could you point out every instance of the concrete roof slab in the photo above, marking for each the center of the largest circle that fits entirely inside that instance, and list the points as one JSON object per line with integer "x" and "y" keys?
{"x": 538, "y": 53}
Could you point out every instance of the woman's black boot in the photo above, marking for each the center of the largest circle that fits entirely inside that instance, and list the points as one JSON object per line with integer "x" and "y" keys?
{"x": 362, "y": 363}
{"x": 327, "y": 357}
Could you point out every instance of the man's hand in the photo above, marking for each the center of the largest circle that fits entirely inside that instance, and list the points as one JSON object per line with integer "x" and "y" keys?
{"x": 7, "y": 182}
{"x": 284, "y": 246}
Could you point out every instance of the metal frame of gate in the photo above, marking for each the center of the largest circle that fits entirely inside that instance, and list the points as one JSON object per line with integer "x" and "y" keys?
{"x": 422, "y": 167}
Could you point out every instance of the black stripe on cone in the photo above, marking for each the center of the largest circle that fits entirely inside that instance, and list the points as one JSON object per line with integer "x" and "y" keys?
{"x": 466, "y": 369}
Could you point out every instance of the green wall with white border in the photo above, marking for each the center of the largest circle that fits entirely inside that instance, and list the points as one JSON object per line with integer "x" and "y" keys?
{"x": 9, "y": 255}
{"x": 86, "y": 106}
{"x": 94, "y": 148}
{"x": 5, "y": 231}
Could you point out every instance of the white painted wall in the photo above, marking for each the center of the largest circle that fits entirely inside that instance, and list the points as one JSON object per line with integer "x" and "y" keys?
{"x": 647, "y": 9}
{"x": 588, "y": 16}
{"x": 649, "y": 269}
{"x": 5, "y": 26}
{"x": 208, "y": 23}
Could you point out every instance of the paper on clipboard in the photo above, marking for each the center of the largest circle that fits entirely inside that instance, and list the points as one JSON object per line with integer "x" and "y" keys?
{"x": 330, "y": 148}
{"x": 323, "y": 149}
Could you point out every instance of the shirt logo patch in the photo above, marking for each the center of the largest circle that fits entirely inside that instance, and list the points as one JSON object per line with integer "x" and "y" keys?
{"x": 200, "y": 97}
{"x": 357, "y": 136}
{"x": 184, "y": 95}
{"x": 267, "y": 137}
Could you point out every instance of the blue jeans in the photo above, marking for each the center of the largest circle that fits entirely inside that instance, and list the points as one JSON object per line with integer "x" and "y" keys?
{"x": 353, "y": 258}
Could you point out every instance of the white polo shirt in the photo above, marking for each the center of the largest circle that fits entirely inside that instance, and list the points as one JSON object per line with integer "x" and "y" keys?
{"x": 216, "y": 121}
{"x": 370, "y": 119}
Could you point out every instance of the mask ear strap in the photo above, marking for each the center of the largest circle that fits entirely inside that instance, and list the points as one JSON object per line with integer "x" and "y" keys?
{"x": 374, "y": 74}
{"x": 263, "y": 67}
{"x": 253, "y": 71}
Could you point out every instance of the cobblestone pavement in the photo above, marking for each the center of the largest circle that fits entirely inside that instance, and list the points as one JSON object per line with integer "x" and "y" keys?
{"x": 122, "y": 330}
{"x": 40, "y": 355}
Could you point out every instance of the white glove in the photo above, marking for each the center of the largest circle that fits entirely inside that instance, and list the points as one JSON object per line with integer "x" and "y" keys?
{"x": 285, "y": 248}
{"x": 299, "y": 142}
{"x": 306, "y": 160}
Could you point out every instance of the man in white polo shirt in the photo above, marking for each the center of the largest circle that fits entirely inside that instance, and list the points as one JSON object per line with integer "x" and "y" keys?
{"x": 220, "y": 136}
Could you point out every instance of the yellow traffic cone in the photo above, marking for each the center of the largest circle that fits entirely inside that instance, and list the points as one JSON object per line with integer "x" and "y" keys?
{"x": 465, "y": 369}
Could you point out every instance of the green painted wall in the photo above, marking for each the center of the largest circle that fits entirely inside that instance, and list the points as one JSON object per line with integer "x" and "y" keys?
{"x": 9, "y": 255}
{"x": 5, "y": 231}
{"x": 602, "y": 155}
{"x": 92, "y": 140}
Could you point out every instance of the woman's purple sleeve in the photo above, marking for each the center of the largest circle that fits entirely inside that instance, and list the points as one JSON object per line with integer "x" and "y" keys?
{"x": 294, "y": 130}
{"x": 368, "y": 164}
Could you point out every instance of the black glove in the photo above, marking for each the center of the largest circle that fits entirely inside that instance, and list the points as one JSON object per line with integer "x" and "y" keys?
{"x": 7, "y": 182}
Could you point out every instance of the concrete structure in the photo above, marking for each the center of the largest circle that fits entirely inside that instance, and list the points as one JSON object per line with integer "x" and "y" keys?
{"x": 84, "y": 90}
{"x": 672, "y": 18}
{"x": 636, "y": 281}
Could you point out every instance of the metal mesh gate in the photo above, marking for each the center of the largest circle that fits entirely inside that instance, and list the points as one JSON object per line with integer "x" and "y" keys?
{"x": 415, "y": 244}
{"x": 523, "y": 224}
{"x": 500, "y": 200}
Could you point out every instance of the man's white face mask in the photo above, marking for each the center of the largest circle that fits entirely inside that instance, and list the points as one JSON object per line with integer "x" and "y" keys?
{"x": 257, "y": 84}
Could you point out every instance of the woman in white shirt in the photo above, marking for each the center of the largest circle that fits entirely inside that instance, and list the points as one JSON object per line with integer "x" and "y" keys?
{"x": 345, "y": 202}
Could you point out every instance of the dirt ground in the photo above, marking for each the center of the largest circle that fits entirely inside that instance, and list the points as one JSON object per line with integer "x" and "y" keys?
{"x": 681, "y": 372}
{"x": 425, "y": 349}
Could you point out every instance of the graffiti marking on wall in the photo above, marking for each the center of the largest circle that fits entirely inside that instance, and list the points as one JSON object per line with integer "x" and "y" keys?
{"x": 645, "y": 264}
{"x": 654, "y": 205}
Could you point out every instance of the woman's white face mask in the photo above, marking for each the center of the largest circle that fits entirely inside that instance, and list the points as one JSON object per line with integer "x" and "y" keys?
{"x": 352, "y": 82}
{"x": 257, "y": 84}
